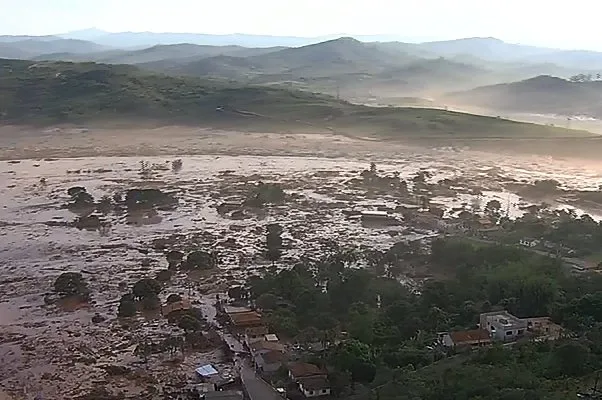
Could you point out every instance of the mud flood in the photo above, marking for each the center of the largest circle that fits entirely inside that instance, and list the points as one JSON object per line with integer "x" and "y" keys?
{"x": 56, "y": 349}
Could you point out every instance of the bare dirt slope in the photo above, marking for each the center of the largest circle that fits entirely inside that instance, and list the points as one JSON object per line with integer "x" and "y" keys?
{"x": 20, "y": 142}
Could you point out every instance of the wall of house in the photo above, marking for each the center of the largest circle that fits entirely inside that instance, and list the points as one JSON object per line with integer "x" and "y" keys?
{"x": 315, "y": 393}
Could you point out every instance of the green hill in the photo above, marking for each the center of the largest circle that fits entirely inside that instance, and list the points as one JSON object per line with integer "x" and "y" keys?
{"x": 51, "y": 92}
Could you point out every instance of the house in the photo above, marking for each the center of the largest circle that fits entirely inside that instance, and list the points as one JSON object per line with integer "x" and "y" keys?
{"x": 314, "y": 386}
{"x": 263, "y": 346}
{"x": 476, "y": 337}
{"x": 270, "y": 337}
{"x": 254, "y": 333}
{"x": 224, "y": 395}
{"x": 182, "y": 305}
{"x": 270, "y": 361}
{"x": 503, "y": 326}
{"x": 246, "y": 319}
{"x": 381, "y": 218}
{"x": 300, "y": 370}
{"x": 544, "y": 327}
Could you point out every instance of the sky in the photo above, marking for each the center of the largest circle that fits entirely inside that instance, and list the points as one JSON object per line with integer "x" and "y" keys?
{"x": 573, "y": 25}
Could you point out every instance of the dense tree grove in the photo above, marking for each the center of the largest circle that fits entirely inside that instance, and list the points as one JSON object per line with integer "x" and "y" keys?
{"x": 380, "y": 336}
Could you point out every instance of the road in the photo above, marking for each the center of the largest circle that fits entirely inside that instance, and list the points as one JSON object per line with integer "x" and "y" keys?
{"x": 257, "y": 389}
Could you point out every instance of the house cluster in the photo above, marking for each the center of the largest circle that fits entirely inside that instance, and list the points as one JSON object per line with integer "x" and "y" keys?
{"x": 269, "y": 355}
{"x": 501, "y": 326}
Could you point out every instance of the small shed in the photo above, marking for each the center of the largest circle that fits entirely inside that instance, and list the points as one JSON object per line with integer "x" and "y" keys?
{"x": 206, "y": 371}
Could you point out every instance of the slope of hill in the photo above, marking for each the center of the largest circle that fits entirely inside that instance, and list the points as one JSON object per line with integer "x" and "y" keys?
{"x": 33, "y": 47}
{"x": 330, "y": 58}
{"x": 169, "y": 55}
{"x": 47, "y": 93}
{"x": 542, "y": 95}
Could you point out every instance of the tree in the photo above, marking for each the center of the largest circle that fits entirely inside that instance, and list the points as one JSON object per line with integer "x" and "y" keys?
{"x": 174, "y": 258}
{"x": 71, "y": 284}
{"x": 493, "y": 206}
{"x": 357, "y": 358}
{"x": 151, "y": 302}
{"x": 146, "y": 288}
{"x": 273, "y": 242}
{"x": 202, "y": 260}
{"x": 267, "y": 301}
{"x": 189, "y": 323}
{"x": 569, "y": 359}
{"x": 127, "y": 307}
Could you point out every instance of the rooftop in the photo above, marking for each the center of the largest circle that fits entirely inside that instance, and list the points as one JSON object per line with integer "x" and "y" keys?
{"x": 304, "y": 370}
{"x": 475, "y": 335}
{"x": 273, "y": 357}
{"x": 264, "y": 345}
{"x": 235, "y": 310}
{"x": 181, "y": 305}
{"x": 224, "y": 395}
{"x": 245, "y": 317}
{"x": 503, "y": 317}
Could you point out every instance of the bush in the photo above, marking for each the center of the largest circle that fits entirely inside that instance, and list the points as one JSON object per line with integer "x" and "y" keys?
{"x": 127, "y": 307}
{"x": 71, "y": 284}
{"x": 146, "y": 288}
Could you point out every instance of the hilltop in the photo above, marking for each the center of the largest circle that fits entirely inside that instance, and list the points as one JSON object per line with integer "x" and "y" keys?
{"x": 55, "y": 92}
{"x": 542, "y": 94}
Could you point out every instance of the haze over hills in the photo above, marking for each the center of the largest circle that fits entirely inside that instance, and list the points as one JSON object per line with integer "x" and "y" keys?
{"x": 54, "y": 92}
{"x": 542, "y": 95}
{"x": 363, "y": 72}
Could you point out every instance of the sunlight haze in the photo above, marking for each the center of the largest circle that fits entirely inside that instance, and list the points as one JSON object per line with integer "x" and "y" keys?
{"x": 528, "y": 22}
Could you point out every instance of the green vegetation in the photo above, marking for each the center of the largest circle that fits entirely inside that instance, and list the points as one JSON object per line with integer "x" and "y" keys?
{"x": 381, "y": 336}
{"x": 56, "y": 92}
{"x": 71, "y": 284}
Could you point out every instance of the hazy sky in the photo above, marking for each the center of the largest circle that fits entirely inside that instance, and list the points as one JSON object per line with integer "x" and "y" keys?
{"x": 563, "y": 24}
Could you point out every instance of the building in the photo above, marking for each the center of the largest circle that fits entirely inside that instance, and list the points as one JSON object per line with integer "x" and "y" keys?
{"x": 311, "y": 379}
{"x": 224, "y": 395}
{"x": 472, "y": 338}
{"x": 245, "y": 319}
{"x": 300, "y": 370}
{"x": 314, "y": 386}
{"x": 182, "y": 305}
{"x": 255, "y": 333}
{"x": 263, "y": 346}
{"x": 269, "y": 362}
{"x": 544, "y": 327}
{"x": 503, "y": 326}
{"x": 378, "y": 218}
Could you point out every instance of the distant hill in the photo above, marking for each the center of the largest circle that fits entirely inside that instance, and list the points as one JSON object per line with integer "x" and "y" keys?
{"x": 26, "y": 48}
{"x": 55, "y": 92}
{"x": 333, "y": 57}
{"x": 168, "y": 55}
{"x": 146, "y": 39}
{"x": 542, "y": 95}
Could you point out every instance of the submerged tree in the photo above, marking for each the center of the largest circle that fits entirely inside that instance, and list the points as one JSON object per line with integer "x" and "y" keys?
{"x": 273, "y": 242}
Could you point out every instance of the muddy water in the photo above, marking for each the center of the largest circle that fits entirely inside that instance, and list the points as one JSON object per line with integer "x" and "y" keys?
{"x": 57, "y": 350}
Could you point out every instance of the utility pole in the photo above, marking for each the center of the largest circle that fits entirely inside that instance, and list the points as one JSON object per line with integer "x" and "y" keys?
{"x": 338, "y": 92}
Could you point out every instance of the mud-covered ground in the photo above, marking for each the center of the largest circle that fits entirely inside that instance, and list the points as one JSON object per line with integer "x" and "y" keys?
{"x": 57, "y": 350}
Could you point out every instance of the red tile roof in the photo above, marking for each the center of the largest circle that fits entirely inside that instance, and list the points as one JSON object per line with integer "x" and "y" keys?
{"x": 246, "y": 318}
{"x": 304, "y": 370}
{"x": 273, "y": 357}
{"x": 476, "y": 335}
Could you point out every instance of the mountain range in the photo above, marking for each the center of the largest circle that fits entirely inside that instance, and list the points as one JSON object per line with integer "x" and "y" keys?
{"x": 481, "y": 72}
{"x": 62, "y": 92}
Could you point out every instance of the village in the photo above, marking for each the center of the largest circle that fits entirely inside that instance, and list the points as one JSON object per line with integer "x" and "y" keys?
{"x": 233, "y": 286}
